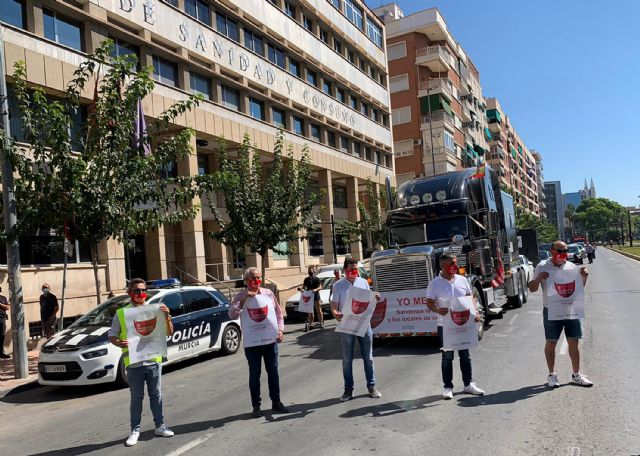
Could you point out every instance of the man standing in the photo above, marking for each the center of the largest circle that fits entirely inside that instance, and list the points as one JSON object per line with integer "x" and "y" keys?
{"x": 553, "y": 328}
{"x": 256, "y": 353}
{"x": 440, "y": 292}
{"x": 589, "y": 248}
{"x": 4, "y": 308}
{"x": 338, "y": 301}
{"x": 48, "y": 310}
{"x": 312, "y": 283}
{"x": 148, "y": 371}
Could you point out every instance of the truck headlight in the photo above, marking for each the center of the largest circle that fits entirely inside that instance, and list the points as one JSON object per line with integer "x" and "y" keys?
{"x": 95, "y": 353}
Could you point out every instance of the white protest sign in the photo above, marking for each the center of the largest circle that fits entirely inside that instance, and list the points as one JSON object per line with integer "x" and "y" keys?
{"x": 357, "y": 310}
{"x": 259, "y": 321}
{"x": 146, "y": 332}
{"x": 459, "y": 329}
{"x": 306, "y": 302}
{"x": 565, "y": 295}
{"x": 402, "y": 312}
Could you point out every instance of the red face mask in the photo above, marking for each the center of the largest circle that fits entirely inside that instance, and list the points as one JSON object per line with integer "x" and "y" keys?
{"x": 559, "y": 257}
{"x": 452, "y": 269}
{"x": 138, "y": 297}
{"x": 254, "y": 283}
{"x": 352, "y": 274}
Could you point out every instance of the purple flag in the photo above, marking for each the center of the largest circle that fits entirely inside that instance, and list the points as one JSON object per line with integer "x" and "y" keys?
{"x": 140, "y": 131}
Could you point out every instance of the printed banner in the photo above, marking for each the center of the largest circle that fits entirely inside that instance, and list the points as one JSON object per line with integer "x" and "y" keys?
{"x": 565, "y": 295}
{"x": 259, "y": 322}
{"x": 146, "y": 332}
{"x": 306, "y": 302}
{"x": 402, "y": 312}
{"x": 357, "y": 311}
{"x": 459, "y": 329}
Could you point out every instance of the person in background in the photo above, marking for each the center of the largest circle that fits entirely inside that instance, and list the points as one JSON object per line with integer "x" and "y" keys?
{"x": 48, "y": 310}
{"x": 589, "y": 248}
{"x": 312, "y": 283}
{"x": 4, "y": 308}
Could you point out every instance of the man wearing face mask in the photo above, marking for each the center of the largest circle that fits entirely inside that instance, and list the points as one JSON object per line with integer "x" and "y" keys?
{"x": 338, "y": 301}
{"x": 553, "y": 328}
{"x": 268, "y": 352}
{"x": 312, "y": 283}
{"x": 148, "y": 371}
{"x": 48, "y": 310}
{"x": 440, "y": 291}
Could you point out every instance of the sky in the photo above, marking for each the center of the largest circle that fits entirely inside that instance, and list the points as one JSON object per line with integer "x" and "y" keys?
{"x": 567, "y": 73}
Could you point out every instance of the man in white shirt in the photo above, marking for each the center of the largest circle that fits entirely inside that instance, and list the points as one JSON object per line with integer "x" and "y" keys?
{"x": 441, "y": 290}
{"x": 338, "y": 300}
{"x": 553, "y": 328}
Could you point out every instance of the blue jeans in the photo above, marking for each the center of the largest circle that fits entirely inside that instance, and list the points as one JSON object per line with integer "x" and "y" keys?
{"x": 254, "y": 357}
{"x": 447, "y": 365}
{"x": 137, "y": 376}
{"x": 366, "y": 350}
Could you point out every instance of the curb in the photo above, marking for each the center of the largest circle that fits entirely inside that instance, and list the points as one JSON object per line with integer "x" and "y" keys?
{"x": 628, "y": 255}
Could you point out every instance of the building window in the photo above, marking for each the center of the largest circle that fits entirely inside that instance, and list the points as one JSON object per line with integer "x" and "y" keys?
{"x": 294, "y": 68}
{"x": 351, "y": 57}
{"x": 354, "y": 13}
{"x": 278, "y": 117}
{"x": 374, "y": 32}
{"x": 289, "y": 10}
{"x": 314, "y": 239}
{"x": 312, "y": 78}
{"x": 375, "y": 115}
{"x": 326, "y": 87}
{"x": 335, "y": 3}
{"x": 165, "y": 71}
{"x": 340, "y": 95}
{"x": 399, "y": 83}
{"x": 401, "y": 115}
{"x": 231, "y": 98}
{"x": 198, "y": 9}
{"x": 253, "y": 42}
{"x": 324, "y": 36}
{"x": 13, "y": 12}
{"x": 344, "y": 144}
{"x": 364, "y": 109}
{"x": 203, "y": 164}
{"x": 388, "y": 162}
{"x": 367, "y": 153}
{"x": 201, "y": 84}
{"x": 331, "y": 139}
{"x": 276, "y": 55}
{"x": 448, "y": 141}
{"x": 362, "y": 65}
{"x": 377, "y": 159}
{"x": 62, "y": 30}
{"x": 227, "y": 27}
{"x": 337, "y": 46}
{"x": 342, "y": 245}
{"x": 239, "y": 257}
{"x": 353, "y": 102}
{"x": 298, "y": 126}
{"x": 122, "y": 48}
{"x": 171, "y": 2}
{"x": 256, "y": 108}
{"x": 339, "y": 197}
{"x": 315, "y": 132}
{"x": 307, "y": 23}
{"x": 357, "y": 149}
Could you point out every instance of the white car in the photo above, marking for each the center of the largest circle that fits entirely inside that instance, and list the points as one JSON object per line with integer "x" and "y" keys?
{"x": 326, "y": 280}
{"x": 528, "y": 266}
{"x": 83, "y": 355}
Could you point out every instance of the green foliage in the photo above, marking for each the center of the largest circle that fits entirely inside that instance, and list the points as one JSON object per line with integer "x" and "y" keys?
{"x": 546, "y": 232}
{"x": 603, "y": 218}
{"x": 266, "y": 205}
{"x": 108, "y": 187}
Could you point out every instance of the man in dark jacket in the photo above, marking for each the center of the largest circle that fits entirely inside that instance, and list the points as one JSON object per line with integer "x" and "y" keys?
{"x": 48, "y": 310}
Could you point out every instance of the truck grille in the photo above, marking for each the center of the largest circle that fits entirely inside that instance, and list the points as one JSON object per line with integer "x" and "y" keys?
{"x": 406, "y": 275}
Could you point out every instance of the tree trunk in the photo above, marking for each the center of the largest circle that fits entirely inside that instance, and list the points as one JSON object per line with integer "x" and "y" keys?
{"x": 96, "y": 276}
{"x": 264, "y": 259}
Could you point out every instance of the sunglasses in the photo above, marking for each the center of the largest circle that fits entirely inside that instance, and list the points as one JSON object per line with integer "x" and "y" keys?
{"x": 139, "y": 291}
{"x": 561, "y": 250}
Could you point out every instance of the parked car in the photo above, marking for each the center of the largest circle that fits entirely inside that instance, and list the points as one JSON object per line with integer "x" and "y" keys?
{"x": 528, "y": 267}
{"x": 83, "y": 355}
{"x": 575, "y": 254}
{"x": 544, "y": 255}
{"x": 546, "y": 247}
{"x": 364, "y": 273}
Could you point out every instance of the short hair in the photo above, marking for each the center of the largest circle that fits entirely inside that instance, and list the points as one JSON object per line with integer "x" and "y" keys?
{"x": 248, "y": 271}
{"x": 134, "y": 282}
{"x": 447, "y": 256}
{"x": 350, "y": 261}
{"x": 310, "y": 268}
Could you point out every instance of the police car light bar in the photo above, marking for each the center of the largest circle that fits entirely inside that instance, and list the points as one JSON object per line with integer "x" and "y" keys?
{"x": 164, "y": 283}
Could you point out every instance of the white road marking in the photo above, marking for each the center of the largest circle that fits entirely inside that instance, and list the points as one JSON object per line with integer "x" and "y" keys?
{"x": 188, "y": 446}
{"x": 513, "y": 319}
{"x": 563, "y": 346}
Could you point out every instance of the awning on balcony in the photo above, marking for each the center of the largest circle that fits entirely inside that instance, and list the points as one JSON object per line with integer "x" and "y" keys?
{"x": 487, "y": 134}
{"x": 494, "y": 114}
{"x": 513, "y": 152}
{"x": 479, "y": 150}
{"x": 436, "y": 102}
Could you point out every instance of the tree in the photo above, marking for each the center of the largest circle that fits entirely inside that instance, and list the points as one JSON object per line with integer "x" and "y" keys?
{"x": 266, "y": 204}
{"x": 545, "y": 231}
{"x": 602, "y": 215}
{"x": 103, "y": 182}
{"x": 570, "y": 214}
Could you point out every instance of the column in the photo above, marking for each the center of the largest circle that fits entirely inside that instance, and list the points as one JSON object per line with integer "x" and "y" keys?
{"x": 325, "y": 183}
{"x": 353, "y": 213}
{"x": 111, "y": 254}
{"x": 156, "y": 254}
{"x": 218, "y": 257}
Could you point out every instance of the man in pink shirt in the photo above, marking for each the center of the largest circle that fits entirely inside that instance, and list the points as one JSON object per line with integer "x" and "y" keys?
{"x": 267, "y": 351}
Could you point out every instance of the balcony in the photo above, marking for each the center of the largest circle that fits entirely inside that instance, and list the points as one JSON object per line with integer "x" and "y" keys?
{"x": 437, "y": 119}
{"x": 436, "y": 58}
{"x": 434, "y": 86}
{"x": 495, "y": 127}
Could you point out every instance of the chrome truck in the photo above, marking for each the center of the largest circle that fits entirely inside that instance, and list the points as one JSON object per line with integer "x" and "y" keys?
{"x": 462, "y": 212}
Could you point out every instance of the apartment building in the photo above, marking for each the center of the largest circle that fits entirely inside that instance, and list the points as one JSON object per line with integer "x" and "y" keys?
{"x": 316, "y": 68}
{"x": 437, "y": 104}
{"x": 554, "y": 207}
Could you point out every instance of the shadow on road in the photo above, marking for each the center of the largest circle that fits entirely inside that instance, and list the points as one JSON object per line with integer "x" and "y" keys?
{"x": 504, "y": 397}
{"x": 392, "y": 408}
{"x": 36, "y": 394}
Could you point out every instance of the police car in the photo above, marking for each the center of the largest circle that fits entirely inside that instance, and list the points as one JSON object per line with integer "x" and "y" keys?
{"x": 83, "y": 355}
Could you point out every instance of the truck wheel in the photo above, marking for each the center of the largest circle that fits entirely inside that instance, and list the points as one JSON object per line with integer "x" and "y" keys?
{"x": 481, "y": 311}
{"x": 230, "y": 340}
{"x": 525, "y": 290}
{"x": 121, "y": 377}
{"x": 517, "y": 300}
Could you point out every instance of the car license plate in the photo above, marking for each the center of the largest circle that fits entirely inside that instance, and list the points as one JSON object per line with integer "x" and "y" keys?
{"x": 55, "y": 368}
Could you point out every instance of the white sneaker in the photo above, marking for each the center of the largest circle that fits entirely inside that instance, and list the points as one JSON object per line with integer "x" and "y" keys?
{"x": 581, "y": 379}
{"x": 447, "y": 393}
{"x": 552, "y": 380}
{"x": 164, "y": 431}
{"x": 471, "y": 388}
{"x": 132, "y": 439}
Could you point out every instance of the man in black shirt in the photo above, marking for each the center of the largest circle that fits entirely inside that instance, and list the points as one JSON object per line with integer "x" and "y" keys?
{"x": 48, "y": 309}
{"x": 4, "y": 308}
{"x": 312, "y": 283}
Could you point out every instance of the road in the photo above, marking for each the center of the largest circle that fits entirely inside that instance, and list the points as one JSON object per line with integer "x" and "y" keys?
{"x": 206, "y": 402}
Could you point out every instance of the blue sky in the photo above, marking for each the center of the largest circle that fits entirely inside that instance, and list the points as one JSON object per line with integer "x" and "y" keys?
{"x": 567, "y": 72}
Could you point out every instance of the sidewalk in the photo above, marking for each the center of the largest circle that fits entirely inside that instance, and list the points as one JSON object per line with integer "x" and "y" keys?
{"x": 7, "y": 378}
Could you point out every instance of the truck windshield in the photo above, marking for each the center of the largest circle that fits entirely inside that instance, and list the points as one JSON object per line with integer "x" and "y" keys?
{"x": 437, "y": 230}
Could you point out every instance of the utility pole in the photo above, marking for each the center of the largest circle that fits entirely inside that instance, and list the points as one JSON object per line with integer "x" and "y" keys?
{"x": 18, "y": 336}
{"x": 630, "y": 233}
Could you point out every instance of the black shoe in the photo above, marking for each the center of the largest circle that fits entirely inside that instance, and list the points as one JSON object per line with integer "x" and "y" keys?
{"x": 5, "y": 356}
{"x": 279, "y": 407}
{"x": 256, "y": 413}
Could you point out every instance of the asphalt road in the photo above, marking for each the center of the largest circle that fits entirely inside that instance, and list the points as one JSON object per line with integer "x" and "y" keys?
{"x": 206, "y": 402}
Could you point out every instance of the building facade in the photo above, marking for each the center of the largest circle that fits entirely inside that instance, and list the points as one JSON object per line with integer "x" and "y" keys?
{"x": 554, "y": 208}
{"x": 436, "y": 97}
{"x": 317, "y": 69}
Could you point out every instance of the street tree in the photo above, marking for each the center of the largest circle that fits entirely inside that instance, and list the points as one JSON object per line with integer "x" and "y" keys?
{"x": 266, "y": 205}
{"x": 570, "y": 215}
{"x": 103, "y": 182}
{"x": 602, "y": 215}
{"x": 545, "y": 231}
